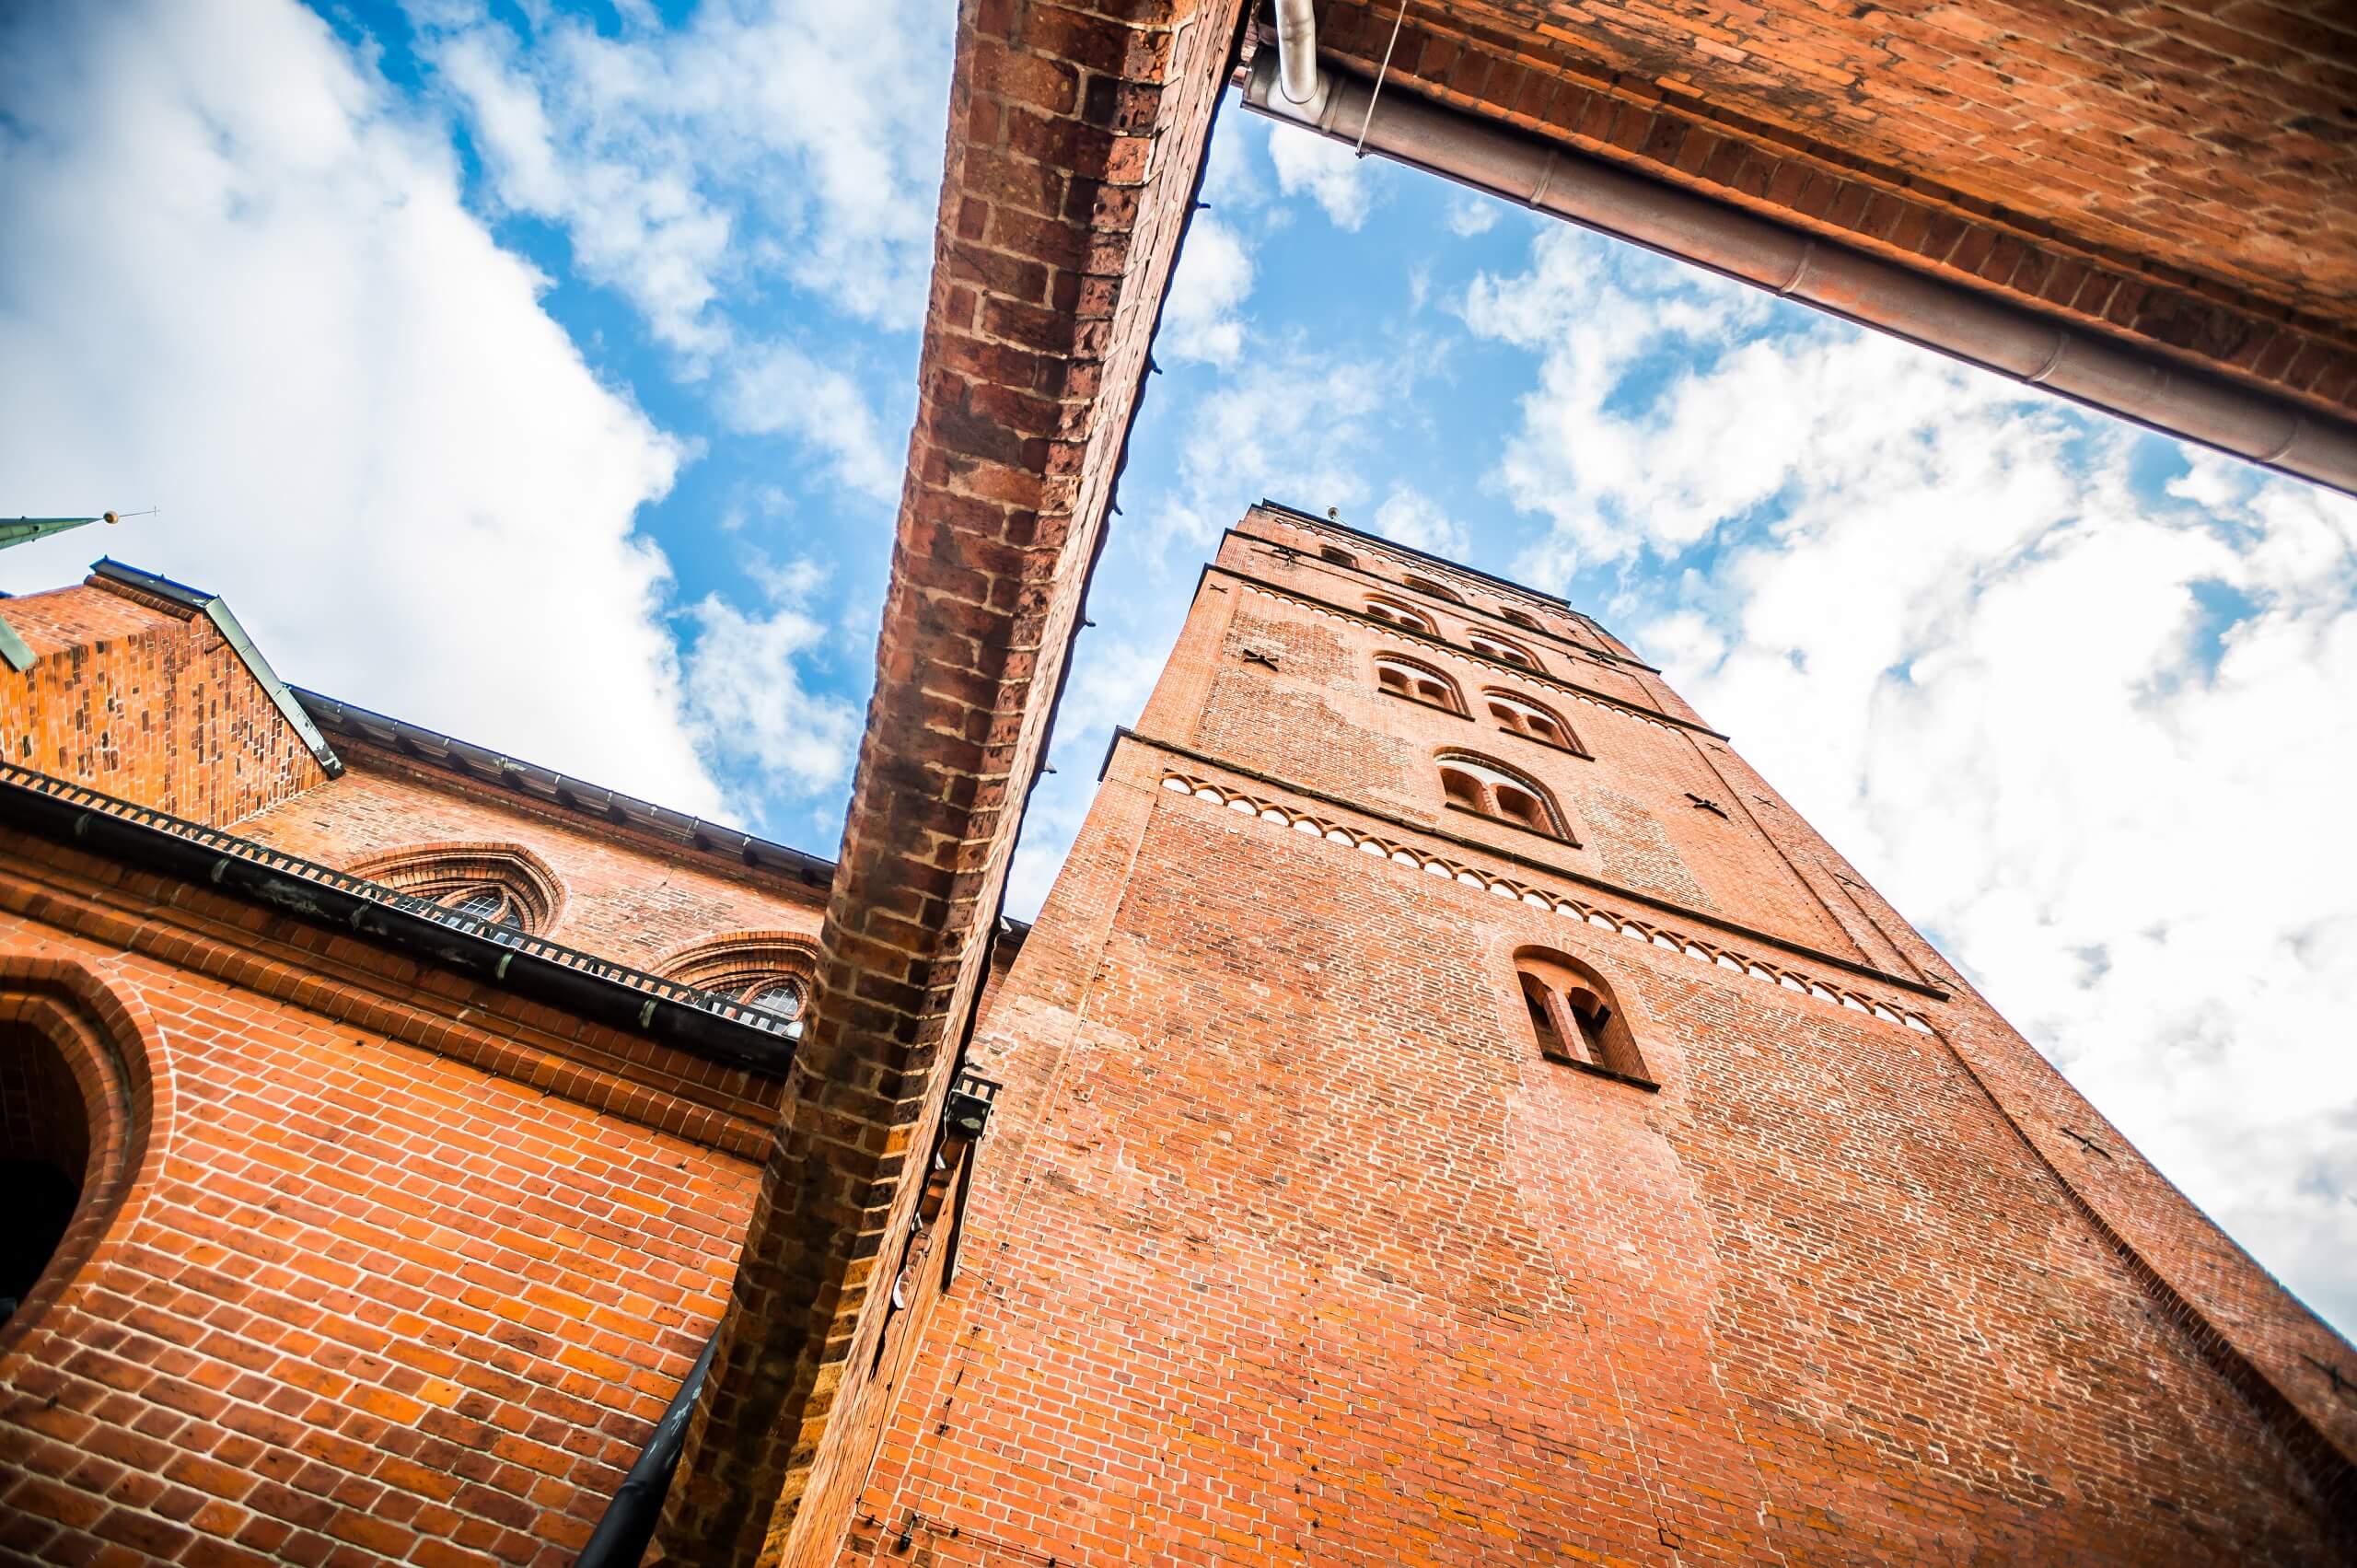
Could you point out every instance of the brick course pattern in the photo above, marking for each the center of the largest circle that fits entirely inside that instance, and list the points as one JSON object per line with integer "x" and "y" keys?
{"x": 361, "y": 1302}
{"x": 1291, "y": 1245}
{"x": 143, "y": 698}
{"x": 375, "y": 1262}
{"x": 2173, "y": 174}
{"x": 1078, "y": 135}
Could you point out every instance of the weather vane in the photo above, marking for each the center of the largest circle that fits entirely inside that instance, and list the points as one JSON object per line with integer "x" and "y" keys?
{"x": 24, "y": 531}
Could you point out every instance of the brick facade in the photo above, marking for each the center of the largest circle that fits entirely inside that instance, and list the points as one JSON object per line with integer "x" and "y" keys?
{"x": 143, "y": 698}
{"x": 1295, "y": 1245}
{"x": 1294, "y": 1236}
{"x": 375, "y": 1262}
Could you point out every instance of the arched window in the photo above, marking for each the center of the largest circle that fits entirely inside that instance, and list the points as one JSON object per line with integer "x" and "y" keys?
{"x": 488, "y": 902}
{"x": 1327, "y": 552}
{"x": 505, "y": 886}
{"x": 1529, "y": 719}
{"x": 1519, "y": 618}
{"x": 1499, "y": 648}
{"x": 1393, "y": 614}
{"x": 1573, "y": 1017}
{"x": 1426, "y": 585}
{"x": 768, "y": 970}
{"x": 786, "y": 998}
{"x": 1472, "y": 784}
{"x": 1405, "y": 678}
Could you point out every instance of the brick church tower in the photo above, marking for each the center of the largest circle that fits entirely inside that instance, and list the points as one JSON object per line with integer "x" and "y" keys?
{"x": 1458, "y": 1112}
{"x": 1450, "y": 1110}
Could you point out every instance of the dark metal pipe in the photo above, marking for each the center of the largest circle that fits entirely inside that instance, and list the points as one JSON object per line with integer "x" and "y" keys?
{"x": 2121, "y": 380}
{"x": 621, "y": 1537}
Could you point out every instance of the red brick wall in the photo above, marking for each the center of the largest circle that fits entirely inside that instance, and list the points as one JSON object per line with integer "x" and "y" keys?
{"x": 1289, "y": 1244}
{"x": 148, "y": 702}
{"x": 1319, "y": 721}
{"x": 360, "y": 1303}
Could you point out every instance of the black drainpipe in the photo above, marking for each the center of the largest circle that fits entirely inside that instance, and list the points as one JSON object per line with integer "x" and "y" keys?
{"x": 621, "y": 1537}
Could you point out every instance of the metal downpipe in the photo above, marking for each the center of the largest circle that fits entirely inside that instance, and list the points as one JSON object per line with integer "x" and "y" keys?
{"x": 1298, "y": 77}
{"x": 628, "y": 1524}
{"x": 2136, "y": 385}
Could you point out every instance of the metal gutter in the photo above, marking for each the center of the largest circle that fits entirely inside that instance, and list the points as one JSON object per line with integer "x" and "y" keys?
{"x": 2128, "y": 380}
{"x": 212, "y": 609}
{"x": 702, "y": 1022}
{"x": 563, "y": 791}
{"x": 1336, "y": 525}
{"x": 1384, "y": 585}
{"x": 1434, "y": 639}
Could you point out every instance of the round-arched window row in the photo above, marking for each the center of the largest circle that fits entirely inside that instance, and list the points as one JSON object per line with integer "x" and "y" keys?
{"x": 1505, "y": 652}
{"x": 1490, "y": 789}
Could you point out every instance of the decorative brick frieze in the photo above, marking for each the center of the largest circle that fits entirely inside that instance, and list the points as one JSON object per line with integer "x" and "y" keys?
{"x": 1393, "y": 847}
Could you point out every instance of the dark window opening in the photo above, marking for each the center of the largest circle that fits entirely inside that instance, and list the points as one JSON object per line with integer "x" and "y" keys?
{"x": 493, "y": 906}
{"x": 1479, "y": 787}
{"x": 1337, "y": 557}
{"x": 1542, "y": 1020}
{"x": 780, "y": 999}
{"x": 1521, "y": 807}
{"x": 44, "y": 1152}
{"x": 1414, "y": 681}
{"x": 1529, "y": 720}
{"x": 1395, "y": 615}
{"x": 1572, "y": 1017}
{"x": 783, "y": 999}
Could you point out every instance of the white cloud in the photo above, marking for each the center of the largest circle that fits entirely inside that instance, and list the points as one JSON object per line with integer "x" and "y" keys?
{"x": 745, "y": 699}
{"x": 1293, "y": 424}
{"x": 1111, "y": 678}
{"x": 1233, "y": 176}
{"x": 238, "y": 283}
{"x": 1416, "y": 520}
{"x": 1597, "y": 475}
{"x": 1326, "y": 171}
{"x": 1936, "y": 612}
{"x": 799, "y": 140}
{"x": 1199, "y": 318}
{"x": 636, "y": 224}
{"x": 1470, "y": 215}
{"x": 779, "y": 388}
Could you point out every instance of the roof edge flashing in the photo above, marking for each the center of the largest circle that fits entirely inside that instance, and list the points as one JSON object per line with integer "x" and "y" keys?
{"x": 216, "y": 611}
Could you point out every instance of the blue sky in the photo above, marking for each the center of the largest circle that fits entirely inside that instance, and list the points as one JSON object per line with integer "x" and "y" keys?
{"x": 544, "y": 376}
